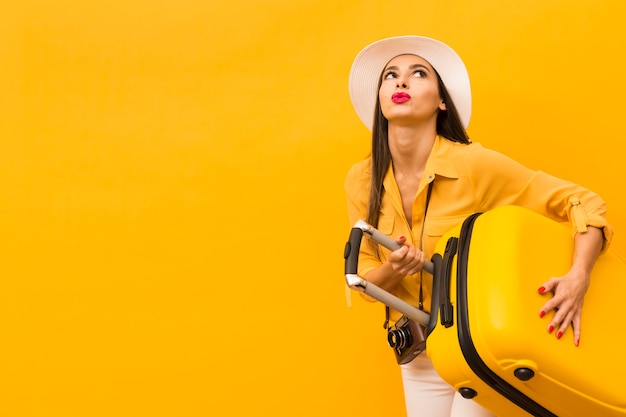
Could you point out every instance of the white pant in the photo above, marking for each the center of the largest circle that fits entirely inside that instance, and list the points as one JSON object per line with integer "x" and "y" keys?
{"x": 427, "y": 395}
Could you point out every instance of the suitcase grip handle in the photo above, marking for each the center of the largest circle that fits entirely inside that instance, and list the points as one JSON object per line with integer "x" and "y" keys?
{"x": 351, "y": 256}
{"x": 386, "y": 241}
{"x": 351, "y": 251}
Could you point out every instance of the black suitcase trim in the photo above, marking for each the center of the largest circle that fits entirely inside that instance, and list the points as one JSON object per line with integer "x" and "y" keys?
{"x": 441, "y": 306}
{"x": 472, "y": 357}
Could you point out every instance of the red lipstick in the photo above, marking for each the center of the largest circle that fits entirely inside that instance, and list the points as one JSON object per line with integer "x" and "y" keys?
{"x": 400, "y": 97}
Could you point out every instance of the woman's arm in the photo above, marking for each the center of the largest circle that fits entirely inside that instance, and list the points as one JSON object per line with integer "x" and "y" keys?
{"x": 569, "y": 290}
{"x": 509, "y": 182}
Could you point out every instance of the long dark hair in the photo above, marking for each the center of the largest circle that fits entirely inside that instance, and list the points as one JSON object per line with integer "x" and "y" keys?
{"x": 449, "y": 126}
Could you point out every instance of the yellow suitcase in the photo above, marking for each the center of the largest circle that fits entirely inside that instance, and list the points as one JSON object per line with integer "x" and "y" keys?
{"x": 484, "y": 335}
{"x": 486, "y": 339}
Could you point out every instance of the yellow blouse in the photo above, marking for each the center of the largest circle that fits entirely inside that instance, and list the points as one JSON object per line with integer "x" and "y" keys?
{"x": 467, "y": 179}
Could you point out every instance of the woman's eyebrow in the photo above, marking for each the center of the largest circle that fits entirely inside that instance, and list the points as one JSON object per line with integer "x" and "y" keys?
{"x": 414, "y": 66}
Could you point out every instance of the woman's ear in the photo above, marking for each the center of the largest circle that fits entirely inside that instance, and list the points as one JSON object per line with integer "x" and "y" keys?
{"x": 442, "y": 106}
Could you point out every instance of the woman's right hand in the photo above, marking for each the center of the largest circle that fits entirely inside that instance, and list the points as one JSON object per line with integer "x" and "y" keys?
{"x": 408, "y": 259}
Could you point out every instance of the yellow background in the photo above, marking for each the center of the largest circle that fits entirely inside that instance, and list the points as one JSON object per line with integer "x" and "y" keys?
{"x": 171, "y": 189}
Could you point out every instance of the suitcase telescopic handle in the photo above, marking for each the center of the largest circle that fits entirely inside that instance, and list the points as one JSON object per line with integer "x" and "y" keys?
{"x": 355, "y": 282}
{"x": 386, "y": 241}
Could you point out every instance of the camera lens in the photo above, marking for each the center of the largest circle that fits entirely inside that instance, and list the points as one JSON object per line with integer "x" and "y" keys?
{"x": 399, "y": 338}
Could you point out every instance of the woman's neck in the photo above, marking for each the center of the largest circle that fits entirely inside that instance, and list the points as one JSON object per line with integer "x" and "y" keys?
{"x": 410, "y": 148}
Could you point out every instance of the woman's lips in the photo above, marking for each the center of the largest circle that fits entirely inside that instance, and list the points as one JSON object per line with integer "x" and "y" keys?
{"x": 400, "y": 97}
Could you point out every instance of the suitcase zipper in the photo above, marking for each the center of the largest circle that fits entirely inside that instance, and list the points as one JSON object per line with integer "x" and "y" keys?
{"x": 472, "y": 357}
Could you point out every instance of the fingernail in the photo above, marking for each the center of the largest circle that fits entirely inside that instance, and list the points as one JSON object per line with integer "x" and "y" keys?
{"x": 400, "y": 237}
{"x": 550, "y": 329}
{"x": 559, "y": 334}
{"x": 541, "y": 289}
{"x": 542, "y": 313}
{"x": 578, "y": 341}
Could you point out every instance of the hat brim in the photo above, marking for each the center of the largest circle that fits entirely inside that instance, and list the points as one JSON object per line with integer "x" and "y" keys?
{"x": 370, "y": 62}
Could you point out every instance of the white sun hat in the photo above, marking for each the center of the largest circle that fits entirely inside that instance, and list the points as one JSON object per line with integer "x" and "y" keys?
{"x": 370, "y": 62}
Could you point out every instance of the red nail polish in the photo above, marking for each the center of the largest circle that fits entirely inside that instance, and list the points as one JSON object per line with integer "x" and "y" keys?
{"x": 550, "y": 329}
{"x": 541, "y": 289}
{"x": 542, "y": 313}
{"x": 559, "y": 334}
{"x": 577, "y": 341}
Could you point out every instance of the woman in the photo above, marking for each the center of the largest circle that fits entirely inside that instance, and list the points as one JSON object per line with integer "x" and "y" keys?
{"x": 425, "y": 176}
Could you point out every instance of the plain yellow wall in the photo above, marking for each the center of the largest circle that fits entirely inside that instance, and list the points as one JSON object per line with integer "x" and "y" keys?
{"x": 171, "y": 189}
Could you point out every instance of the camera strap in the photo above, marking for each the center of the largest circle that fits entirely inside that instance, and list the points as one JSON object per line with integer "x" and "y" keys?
{"x": 420, "y": 301}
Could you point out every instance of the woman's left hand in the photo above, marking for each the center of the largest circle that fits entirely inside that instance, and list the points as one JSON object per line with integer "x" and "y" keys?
{"x": 567, "y": 301}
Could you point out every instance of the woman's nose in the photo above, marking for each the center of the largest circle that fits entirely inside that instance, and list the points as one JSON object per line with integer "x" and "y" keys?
{"x": 401, "y": 83}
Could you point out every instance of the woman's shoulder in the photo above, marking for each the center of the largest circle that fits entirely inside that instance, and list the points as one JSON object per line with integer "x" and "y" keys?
{"x": 473, "y": 150}
{"x": 453, "y": 150}
{"x": 357, "y": 181}
{"x": 473, "y": 157}
{"x": 360, "y": 171}
{"x": 481, "y": 159}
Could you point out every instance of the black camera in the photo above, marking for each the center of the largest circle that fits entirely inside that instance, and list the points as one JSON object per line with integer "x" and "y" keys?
{"x": 407, "y": 339}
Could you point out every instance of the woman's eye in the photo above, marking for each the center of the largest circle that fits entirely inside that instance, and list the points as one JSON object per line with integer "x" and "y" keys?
{"x": 389, "y": 75}
{"x": 419, "y": 74}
